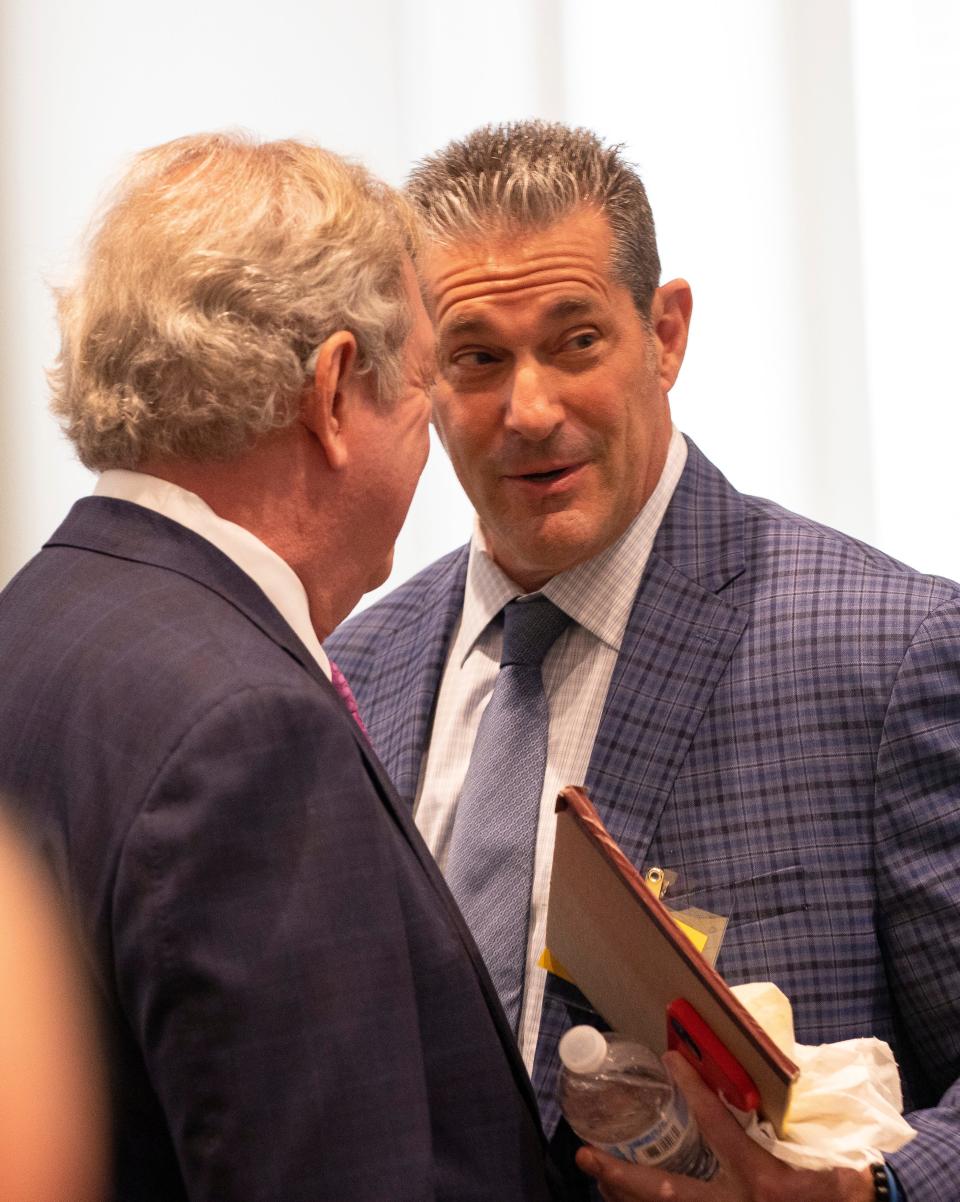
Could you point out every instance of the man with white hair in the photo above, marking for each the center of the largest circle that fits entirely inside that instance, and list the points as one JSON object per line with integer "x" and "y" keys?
{"x": 294, "y": 1007}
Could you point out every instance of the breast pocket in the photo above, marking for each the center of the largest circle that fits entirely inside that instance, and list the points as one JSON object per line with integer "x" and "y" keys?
{"x": 772, "y": 925}
{"x": 748, "y": 899}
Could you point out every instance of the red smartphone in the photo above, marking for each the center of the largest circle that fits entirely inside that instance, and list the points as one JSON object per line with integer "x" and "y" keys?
{"x": 689, "y": 1035}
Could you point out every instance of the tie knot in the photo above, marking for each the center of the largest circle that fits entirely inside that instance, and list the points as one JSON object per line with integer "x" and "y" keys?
{"x": 530, "y": 628}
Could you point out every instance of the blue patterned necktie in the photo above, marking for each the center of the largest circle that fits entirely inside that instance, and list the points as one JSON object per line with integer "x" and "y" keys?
{"x": 490, "y": 861}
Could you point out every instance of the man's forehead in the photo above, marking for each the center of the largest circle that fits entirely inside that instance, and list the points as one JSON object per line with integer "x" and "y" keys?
{"x": 556, "y": 270}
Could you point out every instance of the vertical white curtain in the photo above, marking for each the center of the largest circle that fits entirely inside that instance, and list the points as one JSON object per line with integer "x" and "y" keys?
{"x": 801, "y": 158}
{"x": 907, "y": 73}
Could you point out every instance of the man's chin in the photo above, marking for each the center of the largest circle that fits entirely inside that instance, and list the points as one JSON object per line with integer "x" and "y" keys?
{"x": 554, "y": 543}
{"x": 382, "y": 573}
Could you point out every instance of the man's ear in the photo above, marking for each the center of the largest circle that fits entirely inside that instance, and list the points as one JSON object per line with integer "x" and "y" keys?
{"x": 325, "y": 400}
{"x": 670, "y": 317}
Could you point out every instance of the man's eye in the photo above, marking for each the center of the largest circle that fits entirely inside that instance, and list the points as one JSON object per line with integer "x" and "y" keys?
{"x": 580, "y": 342}
{"x": 473, "y": 359}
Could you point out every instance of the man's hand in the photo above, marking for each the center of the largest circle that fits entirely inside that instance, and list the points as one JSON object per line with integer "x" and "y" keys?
{"x": 747, "y": 1172}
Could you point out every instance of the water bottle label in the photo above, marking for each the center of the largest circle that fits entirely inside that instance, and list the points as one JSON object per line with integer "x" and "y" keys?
{"x": 659, "y": 1143}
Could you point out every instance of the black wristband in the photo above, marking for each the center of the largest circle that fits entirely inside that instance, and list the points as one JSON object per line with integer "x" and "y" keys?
{"x": 881, "y": 1183}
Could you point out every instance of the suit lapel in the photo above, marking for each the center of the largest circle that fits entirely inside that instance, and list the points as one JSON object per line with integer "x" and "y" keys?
{"x": 399, "y": 720}
{"x": 399, "y": 715}
{"x": 404, "y": 818}
{"x": 678, "y": 641}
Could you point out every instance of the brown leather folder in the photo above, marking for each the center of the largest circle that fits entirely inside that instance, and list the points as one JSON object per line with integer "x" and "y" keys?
{"x": 620, "y": 946}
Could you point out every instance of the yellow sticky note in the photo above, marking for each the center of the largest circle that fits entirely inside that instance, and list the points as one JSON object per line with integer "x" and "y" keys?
{"x": 697, "y": 938}
{"x": 552, "y": 964}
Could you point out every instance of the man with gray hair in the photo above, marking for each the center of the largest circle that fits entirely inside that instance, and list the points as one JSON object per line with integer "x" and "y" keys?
{"x": 763, "y": 710}
{"x": 294, "y": 1007}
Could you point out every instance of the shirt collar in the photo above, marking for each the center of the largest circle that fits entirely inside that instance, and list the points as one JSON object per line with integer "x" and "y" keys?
{"x": 264, "y": 566}
{"x": 598, "y": 593}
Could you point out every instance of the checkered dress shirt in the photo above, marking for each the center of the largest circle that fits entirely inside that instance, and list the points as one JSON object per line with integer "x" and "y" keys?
{"x": 598, "y": 595}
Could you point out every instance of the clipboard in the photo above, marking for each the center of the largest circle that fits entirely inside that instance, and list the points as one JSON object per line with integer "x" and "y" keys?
{"x": 622, "y": 948}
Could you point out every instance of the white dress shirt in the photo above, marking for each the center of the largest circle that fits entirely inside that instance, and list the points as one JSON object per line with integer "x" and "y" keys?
{"x": 274, "y": 576}
{"x": 598, "y": 595}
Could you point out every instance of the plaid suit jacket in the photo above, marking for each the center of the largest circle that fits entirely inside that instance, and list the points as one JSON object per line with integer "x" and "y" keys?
{"x": 296, "y": 1010}
{"x": 782, "y": 729}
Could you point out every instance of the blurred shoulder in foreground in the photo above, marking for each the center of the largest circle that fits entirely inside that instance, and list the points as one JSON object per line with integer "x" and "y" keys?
{"x": 52, "y": 1113}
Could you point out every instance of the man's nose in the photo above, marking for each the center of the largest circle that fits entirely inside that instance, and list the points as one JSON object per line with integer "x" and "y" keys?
{"x": 533, "y": 410}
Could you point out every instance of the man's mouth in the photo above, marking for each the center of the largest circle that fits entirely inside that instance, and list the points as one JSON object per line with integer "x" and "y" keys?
{"x": 547, "y": 471}
{"x": 547, "y": 476}
{"x": 552, "y": 474}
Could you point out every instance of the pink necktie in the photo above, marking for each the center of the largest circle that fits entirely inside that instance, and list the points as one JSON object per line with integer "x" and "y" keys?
{"x": 339, "y": 682}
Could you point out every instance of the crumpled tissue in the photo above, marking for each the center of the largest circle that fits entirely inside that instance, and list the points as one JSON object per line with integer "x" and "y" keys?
{"x": 845, "y": 1108}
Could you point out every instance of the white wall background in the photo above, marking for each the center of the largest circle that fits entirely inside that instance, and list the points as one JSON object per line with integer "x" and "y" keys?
{"x": 802, "y": 158}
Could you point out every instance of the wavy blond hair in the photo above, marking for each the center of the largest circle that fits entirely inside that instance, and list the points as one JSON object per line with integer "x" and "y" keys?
{"x": 530, "y": 174}
{"x": 218, "y": 267}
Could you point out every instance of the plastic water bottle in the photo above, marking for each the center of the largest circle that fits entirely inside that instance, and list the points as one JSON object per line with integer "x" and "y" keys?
{"x": 619, "y": 1097}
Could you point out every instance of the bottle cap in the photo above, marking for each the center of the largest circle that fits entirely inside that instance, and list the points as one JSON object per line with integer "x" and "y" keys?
{"x": 583, "y": 1049}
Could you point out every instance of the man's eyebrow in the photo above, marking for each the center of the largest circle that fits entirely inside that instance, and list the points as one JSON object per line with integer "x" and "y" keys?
{"x": 570, "y": 306}
{"x": 467, "y": 324}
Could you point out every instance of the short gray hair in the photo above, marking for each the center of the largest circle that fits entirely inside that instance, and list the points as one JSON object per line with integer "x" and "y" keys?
{"x": 530, "y": 174}
{"x": 217, "y": 269}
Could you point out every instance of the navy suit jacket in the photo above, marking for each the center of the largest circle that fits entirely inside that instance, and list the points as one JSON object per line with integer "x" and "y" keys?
{"x": 294, "y": 1006}
{"x": 782, "y": 729}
